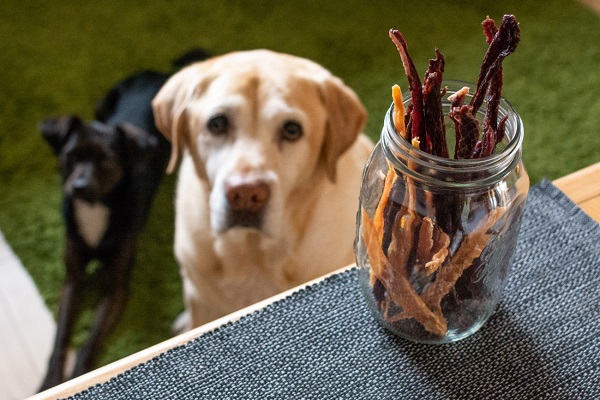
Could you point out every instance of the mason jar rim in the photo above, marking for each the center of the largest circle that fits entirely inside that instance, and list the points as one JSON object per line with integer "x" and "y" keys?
{"x": 394, "y": 144}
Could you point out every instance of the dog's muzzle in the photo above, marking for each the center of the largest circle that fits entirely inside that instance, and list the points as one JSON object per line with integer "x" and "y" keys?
{"x": 247, "y": 199}
{"x": 81, "y": 183}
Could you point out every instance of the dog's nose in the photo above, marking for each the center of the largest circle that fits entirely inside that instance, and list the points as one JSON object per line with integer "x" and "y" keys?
{"x": 248, "y": 196}
{"x": 82, "y": 175}
{"x": 81, "y": 182}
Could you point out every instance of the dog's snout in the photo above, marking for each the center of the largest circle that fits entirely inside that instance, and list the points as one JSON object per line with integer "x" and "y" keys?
{"x": 248, "y": 196}
{"x": 82, "y": 176}
{"x": 81, "y": 182}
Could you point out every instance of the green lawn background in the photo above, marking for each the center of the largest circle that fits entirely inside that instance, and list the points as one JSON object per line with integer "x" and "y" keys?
{"x": 60, "y": 57}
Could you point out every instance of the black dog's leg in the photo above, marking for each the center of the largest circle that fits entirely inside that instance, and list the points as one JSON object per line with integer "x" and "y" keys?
{"x": 75, "y": 263}
{"x": 115, "y": 281}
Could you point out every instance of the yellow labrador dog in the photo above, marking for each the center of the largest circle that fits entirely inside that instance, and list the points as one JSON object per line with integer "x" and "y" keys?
{"x": 271, "y": 161}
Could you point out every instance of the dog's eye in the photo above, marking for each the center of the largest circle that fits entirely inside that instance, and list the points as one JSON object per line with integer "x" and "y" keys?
{"x": 219, "y": 124}
{"x": 291, "y": 131}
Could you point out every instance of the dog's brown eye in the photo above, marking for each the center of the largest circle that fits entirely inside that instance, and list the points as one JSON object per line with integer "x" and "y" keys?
{"x": 292, "y": 131}
{"x": 219, "y": 124}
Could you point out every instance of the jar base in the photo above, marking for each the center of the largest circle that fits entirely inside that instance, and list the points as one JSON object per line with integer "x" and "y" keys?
{"x": 410, "y": 329}
{"x": 450, "y": 337}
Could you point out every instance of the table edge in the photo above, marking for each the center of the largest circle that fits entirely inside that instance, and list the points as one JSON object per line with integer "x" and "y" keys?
{"x": 568, "y": 184}
{"x": 105, "y": 373}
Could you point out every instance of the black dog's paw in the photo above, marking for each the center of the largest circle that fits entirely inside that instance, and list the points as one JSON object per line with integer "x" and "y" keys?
{"x": 53, "y": 377}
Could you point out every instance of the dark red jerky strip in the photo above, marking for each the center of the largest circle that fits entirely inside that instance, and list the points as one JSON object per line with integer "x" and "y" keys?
{"x": 492, "y": 133}
{"x": 501, "y": 129}
{"x": 454, "y": 114}
{"x": 504, "y": 42}
{"x": 493, "y": 100}
{"x": 495, "y": 88}
{"x": 434, "y": 116}
{"x": 393, "y": 206}
{"x": 467, "y": 131}
{"x": 489, "y": 138}
{"x": 414, "y": 83}
{"x": 485, "y": 146}
{"x": 379, "y": 293}
{"x": 431, "y": 89}
{"x": 489, "y": 29}
{"x": 408, "y": 117}
{"x": 477, "y": 149}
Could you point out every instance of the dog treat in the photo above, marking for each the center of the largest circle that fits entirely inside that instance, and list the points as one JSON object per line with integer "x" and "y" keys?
{"x": 398, "y": 111}
{"x": 472, "y": 246}
{"x": 417, "y": 245}
{"x": 417, "y": 120}
{"x": 432, "y": 102}
{"x": 432, "y": 247}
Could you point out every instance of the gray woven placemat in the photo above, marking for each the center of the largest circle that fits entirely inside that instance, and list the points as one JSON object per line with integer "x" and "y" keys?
{"x": 543, "y": 342}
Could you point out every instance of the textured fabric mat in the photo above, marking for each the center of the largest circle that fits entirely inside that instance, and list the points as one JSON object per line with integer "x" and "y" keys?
{"x": 543, "y": 342}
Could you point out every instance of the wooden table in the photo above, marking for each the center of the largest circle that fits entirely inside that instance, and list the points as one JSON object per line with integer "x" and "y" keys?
{"x": 583, "y": 187}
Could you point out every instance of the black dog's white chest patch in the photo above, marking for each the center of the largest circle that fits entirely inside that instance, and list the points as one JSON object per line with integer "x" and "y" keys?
{"x": 92, "y": 221}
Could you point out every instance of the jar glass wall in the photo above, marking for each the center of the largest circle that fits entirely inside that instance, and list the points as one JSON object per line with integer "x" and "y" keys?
{"x": 436, "y": 236}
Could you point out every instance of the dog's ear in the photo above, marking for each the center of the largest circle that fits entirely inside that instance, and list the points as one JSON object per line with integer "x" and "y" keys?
{"x": 346, "y": 119}
{"x": 106, "y": 107}
{"x": 170, "y": 108}
{"x": 56, "y": 131}
{"x": 139, "y": 145}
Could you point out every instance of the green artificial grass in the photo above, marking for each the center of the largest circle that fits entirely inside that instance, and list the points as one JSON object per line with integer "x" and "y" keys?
{"x": 60, "y": 57}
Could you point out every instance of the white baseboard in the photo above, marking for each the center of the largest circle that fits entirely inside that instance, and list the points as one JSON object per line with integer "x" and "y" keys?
{"x": 27, "y": 329}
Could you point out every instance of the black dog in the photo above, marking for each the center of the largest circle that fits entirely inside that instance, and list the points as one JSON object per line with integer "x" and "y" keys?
{"x": 111, "y": 170}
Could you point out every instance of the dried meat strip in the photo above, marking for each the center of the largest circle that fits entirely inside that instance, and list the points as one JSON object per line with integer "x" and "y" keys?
{"x": 501, "y": 129}
{"x": 432, "y": 247}
{"x": 432, "y": 104}
{"x": 467, "y": 131}
{"x": 489, "y": 29}
{"x": 414, "y": 83}
{"x": 425, "y": 241}
{"x": 504, "y": 43}
{"x": 390, "y": 276}
{"x": 471, "y": 248}
{"x": 399, "y": 112}
{"x": 489, "y": 138}
{"x": 408, "y": 118}
{"x": 395, "y": 277}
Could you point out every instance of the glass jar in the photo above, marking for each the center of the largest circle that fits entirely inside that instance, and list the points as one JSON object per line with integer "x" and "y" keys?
{"x": 436, "y": 236}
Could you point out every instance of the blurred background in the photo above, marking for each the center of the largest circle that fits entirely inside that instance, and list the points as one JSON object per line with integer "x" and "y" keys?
{"x": 61, "y": 57}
